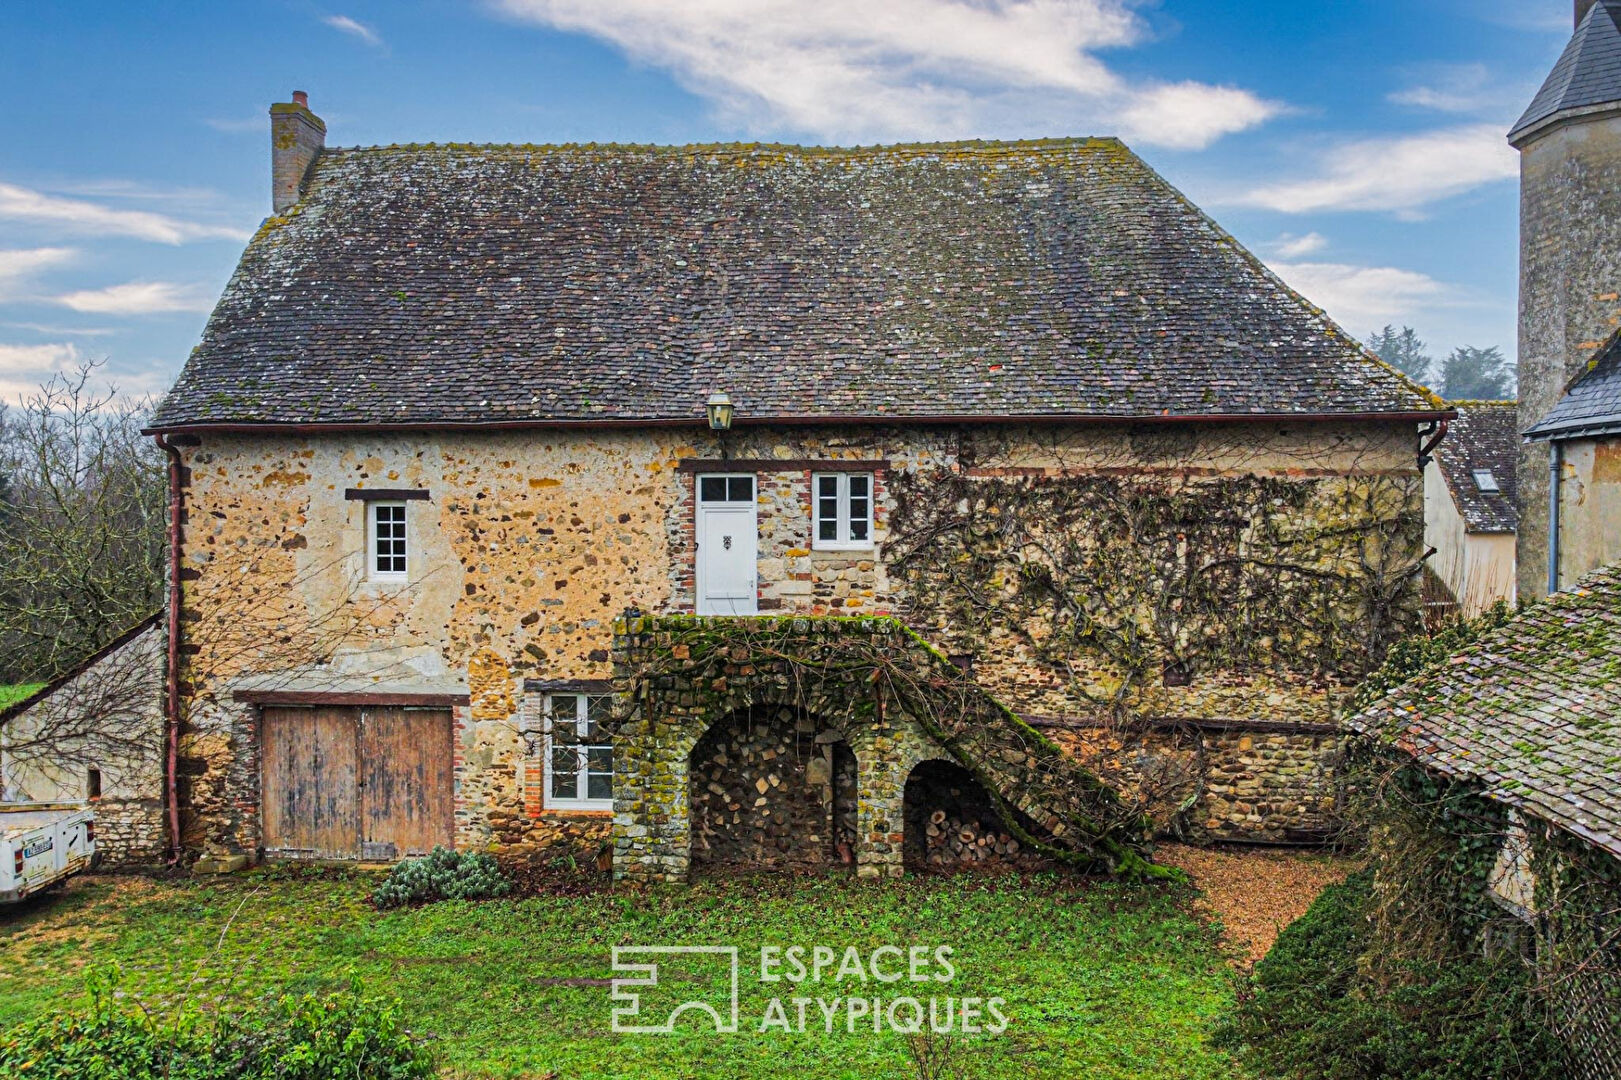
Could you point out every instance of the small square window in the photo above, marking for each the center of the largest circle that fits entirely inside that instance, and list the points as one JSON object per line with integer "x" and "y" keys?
{"x": 386, "y": 544}
{"x": 726, "y": 489}
{"x": 578, "y": 757}
{"x": 843, "y": 510}
{"x": 1485, "y": 480}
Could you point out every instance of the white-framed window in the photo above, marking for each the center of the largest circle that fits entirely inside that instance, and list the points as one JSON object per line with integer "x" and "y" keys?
{"x": 841, "y": 510}
{"x": 385, "y": 541}
{"x": 579, "y": 759}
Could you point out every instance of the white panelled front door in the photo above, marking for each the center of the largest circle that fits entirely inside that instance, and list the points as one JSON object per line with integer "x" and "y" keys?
{"x": 728, "y": 545}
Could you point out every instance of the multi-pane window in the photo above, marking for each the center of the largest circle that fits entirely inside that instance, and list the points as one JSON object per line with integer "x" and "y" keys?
{"x": 843, "y": 509}
{"x": 387, "y": 539}
{"x": 579, "y": 759}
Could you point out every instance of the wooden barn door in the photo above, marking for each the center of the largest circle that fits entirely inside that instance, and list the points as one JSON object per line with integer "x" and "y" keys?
{"x": 311, "y": 783}
{"x": 406, "y": 794}
{"x": 369, "y": 783}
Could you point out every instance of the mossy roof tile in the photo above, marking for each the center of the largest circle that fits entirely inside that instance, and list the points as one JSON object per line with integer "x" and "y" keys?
{"x": 458, "y": 284}
{"x": 1531, "y": 710}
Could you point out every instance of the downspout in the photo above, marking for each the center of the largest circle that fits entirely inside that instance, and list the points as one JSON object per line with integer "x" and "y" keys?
{"x": 1554, "y": 469}
{"x": 171, "y": 698}
{"x": 1426, "y": 451}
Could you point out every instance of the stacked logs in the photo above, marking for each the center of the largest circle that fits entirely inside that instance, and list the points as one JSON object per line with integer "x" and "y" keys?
{"x": 949, "y": 839}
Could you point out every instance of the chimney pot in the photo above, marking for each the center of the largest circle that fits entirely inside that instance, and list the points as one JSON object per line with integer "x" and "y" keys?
{"x": 297, "y": 137}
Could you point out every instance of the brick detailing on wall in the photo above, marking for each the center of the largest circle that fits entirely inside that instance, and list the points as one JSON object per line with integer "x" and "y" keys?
{"x": 896, "y": 701}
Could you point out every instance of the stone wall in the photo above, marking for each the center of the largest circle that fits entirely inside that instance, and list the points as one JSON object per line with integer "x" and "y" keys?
{"x": 1274, "y": 783}
{"x": 1589, "y": 507}
{"x": 107, "y": 717}
{"x": 527, "y": 544}
{"x": 1570, "y": 293}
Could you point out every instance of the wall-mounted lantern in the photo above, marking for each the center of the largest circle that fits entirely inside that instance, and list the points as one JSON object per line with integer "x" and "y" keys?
{"x": 719, "y": 407}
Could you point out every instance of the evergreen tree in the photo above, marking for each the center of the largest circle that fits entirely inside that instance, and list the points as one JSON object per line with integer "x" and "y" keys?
{"x": 1472, "y": 374}
{"x": 1401, "y": 349}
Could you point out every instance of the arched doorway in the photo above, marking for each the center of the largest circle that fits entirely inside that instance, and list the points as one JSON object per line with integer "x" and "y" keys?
{"x": 772, "y": 786}
{"x": 952, "y": 822}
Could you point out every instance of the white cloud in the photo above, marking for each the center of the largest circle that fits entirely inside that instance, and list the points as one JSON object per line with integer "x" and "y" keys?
{"x": 21, "y": 264}
{"x": 349, "y": 26}
{"x": 1396, "y": 175}
{"x": 37, "y": 359}
{"x": 1290, "y": 246}
{"x": 138, "y": 298}
{"x": 1356, "y": 296}
{"x": 854, "y": 70}
{"x": 1450, "y": 88}
{"x": 22, "y": 204}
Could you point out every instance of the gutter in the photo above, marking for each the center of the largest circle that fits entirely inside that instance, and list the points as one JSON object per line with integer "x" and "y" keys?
{"x": 336, "y": 427}
{"x": 171, "y": 694}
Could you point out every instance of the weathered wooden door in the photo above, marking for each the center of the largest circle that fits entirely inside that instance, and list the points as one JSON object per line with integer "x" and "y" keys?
{"x": 356, "y": 783}
{"x": 406, "y": 795}
{"x": 311, "y": 783}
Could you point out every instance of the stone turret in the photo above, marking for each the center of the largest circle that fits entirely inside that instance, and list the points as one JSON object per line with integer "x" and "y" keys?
{"x": 1570, "y": 245}
{"x": 297, "y": 137}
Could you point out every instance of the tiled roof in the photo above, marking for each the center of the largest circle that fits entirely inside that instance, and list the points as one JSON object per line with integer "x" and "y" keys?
{"x": 1591, "y": 404}
{"x": 460, "y": 284}
{"x": 1485, "y": 436}
{"x": 1532, "y": 710}
{"x": 1588, "y": 72}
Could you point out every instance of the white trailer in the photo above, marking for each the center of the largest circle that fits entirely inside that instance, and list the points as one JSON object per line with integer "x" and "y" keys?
{"x": 42, "y": 844}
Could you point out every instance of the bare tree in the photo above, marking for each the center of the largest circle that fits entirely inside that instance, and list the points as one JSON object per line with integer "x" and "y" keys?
{"x": 81, "y": 525}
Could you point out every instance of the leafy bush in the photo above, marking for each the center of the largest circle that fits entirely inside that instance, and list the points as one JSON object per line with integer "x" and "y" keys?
{"x": 442, "y": 875}
{"x": 1417, "y": 653}
{"x": 305, "y": 1038}
{"x": 1309, "y": 1013}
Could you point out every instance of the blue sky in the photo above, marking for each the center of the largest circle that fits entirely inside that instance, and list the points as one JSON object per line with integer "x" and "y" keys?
{"x": 1355, "y": 145}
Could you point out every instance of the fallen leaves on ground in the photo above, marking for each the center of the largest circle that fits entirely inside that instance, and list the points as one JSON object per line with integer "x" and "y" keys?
{"x": 1255, "y": 892}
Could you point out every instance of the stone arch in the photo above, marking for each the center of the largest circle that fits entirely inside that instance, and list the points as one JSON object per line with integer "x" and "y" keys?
{"x": 952, "y": 822}
{"x": 773, "y": 786}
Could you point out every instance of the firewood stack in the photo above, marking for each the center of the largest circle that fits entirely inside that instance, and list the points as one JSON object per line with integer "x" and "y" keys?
{"x": 949, "y": 839}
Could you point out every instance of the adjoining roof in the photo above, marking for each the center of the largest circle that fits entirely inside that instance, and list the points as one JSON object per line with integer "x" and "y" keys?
{"x": 1532, "y": 711}
{"x": 1588, "y": 72}
{"x": 1591, "y": 404}
{"x": 1483, "y": 438}
{"x": 597, "y": 284}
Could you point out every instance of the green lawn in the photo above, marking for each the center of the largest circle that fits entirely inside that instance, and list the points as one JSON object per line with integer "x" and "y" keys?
{"x": 1101, "y": 980}
{"x": 8, "y": 694}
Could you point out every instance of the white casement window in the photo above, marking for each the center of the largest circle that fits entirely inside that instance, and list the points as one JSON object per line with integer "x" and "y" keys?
{"x": 386, "y": 541}
{"x": 843, "y": 510}
{"x": 579, "y": 760}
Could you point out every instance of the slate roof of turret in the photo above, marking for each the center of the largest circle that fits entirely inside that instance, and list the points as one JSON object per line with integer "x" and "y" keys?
{"x": 1484, "y": 437}
{"x": 1591, "y": 404}
{"x": 1588, "y": 72}
{"x": 1532, "y": 710}
{"x": 488, "y": 284}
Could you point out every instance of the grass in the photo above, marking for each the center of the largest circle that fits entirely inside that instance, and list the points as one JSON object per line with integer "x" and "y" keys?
{"x": 8, "y": 694}
{"x": 1101, "y": 980}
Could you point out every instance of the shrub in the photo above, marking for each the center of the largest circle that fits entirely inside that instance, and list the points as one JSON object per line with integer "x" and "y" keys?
{"x": 1417, "y": 653}
{"x": 1308, "y": 1012}
{"x": 442, "y": 875}
{"x": 306, "y": 1038}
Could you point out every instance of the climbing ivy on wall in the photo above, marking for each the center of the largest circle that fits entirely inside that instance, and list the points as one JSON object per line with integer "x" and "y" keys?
{"x": 1117, "y": 582}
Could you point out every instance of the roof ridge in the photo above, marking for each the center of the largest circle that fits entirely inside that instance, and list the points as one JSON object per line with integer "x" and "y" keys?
{"x": 1053, "y": 144}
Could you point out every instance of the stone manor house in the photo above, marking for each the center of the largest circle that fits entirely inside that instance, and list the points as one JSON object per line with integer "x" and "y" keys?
{"x": 590, "y": 497}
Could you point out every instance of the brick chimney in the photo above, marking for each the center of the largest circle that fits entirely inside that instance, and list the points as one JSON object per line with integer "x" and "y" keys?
{"x": 1582, "y": 8}
{"x": 296, "y": 139}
